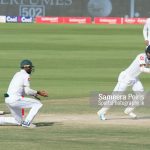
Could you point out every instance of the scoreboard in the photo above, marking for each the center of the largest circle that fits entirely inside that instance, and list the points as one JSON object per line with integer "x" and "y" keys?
{"x": 86, "y": 8}
{"x": 32, "y": 10}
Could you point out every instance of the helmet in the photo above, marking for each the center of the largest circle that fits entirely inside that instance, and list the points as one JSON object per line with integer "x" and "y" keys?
{"x": 147, "y": 50}
{"x": 26, "y": 63}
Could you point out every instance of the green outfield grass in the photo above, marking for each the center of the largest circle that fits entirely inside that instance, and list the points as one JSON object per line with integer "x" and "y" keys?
{"x": 58, "y": 137}
{"x": 71, "y": 62}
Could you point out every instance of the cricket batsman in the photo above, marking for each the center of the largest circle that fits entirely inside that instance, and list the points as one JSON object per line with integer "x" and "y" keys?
{"x": 15, "y": 97}
{"x": 146, "y": 32}
{"x": 129, "y": 77}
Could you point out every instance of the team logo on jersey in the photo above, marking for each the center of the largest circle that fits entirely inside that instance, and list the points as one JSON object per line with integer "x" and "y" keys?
{"x": 141, "y": 57}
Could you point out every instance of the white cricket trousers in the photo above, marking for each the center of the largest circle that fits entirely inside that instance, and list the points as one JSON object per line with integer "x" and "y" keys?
{"x": 125, "y": 81}
{"x": 15, "y": 105}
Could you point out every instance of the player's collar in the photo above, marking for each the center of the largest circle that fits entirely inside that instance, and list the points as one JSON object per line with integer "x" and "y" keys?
{"x": 22, "y": 70}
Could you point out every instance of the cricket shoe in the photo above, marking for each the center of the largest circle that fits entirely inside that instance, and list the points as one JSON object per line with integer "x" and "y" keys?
{"x": 28, "y": 125}
{"x": 131, "y": 114}
{"x": 101, "y": 116}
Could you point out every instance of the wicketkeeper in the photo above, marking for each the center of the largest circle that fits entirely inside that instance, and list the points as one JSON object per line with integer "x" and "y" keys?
{"x": 15, "y": 97}
{"x": 129, "y": 77}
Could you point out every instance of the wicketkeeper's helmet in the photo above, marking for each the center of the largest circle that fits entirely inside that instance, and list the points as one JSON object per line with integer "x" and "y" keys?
{"x": 26, "y": 63}
{"x": 147, "y": 50}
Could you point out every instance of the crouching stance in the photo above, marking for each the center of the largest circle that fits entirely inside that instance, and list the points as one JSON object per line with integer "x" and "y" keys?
{"x": 15, "y": 100}
{"x": 129, "y": 77}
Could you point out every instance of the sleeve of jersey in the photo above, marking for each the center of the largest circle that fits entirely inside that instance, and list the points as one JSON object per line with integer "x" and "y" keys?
{"x": 142, "y": 63}
{"x": 141, "y": 59}
{"x": 27, "y": 88}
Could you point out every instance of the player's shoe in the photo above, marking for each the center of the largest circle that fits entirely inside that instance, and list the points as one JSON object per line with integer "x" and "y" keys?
{"x": 28, "y": 125}
{"x": 131, "y": 114}
{"x": 101, "y": 116}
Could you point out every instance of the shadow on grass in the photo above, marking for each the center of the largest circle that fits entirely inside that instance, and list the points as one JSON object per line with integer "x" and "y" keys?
{"x": 44, "y": 124}
{"x": 144, "y": 117}
{"x": 38, "y": 124}
{"x": 127, "y": 118}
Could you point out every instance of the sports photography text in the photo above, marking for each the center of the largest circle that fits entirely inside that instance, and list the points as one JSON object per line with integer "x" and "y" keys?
{"x": 120, "y": 99}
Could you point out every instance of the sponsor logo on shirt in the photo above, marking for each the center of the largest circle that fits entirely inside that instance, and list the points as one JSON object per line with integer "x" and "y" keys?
{"x": 141, "y": 57}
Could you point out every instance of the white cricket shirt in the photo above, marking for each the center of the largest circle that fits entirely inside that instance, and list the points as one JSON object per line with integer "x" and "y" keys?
{"x": 18, "y": 84}
{"x": 134, "y": 69}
